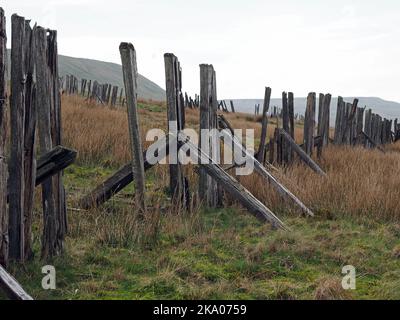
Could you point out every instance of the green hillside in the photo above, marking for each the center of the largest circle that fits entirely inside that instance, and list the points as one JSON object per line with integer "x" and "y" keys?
{"x": 106, "y": 72}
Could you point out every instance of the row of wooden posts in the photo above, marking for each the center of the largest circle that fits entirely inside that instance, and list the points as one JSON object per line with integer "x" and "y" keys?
{"x": 108, "y": 94}
{"x": 353, "y": 126}
{"x": 35, "y": 106}
{"x": 34, "y": 111}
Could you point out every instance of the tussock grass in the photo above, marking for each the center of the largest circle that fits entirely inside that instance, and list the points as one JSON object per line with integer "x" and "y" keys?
{"x": 223, "y": 253}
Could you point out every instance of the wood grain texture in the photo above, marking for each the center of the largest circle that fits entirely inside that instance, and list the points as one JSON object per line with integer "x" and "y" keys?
{"x": 50, "y": 244}
{"x": 3, "y": 139}
{"x": 11, "y": 287}
{"x": 17, "y": 117}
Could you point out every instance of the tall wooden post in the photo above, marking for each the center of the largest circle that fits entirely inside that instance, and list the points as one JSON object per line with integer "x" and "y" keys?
{"x": 208, "y": 102}
{"x": 291, "y": 121}
{"x": 16, "y": 163}
{"x": 286, "y": 128}
{"x": 261, "y": 149}
{"x": 3, "y": 139}
{"x": 29, "y": 140}
{"x": 50, "y": 243}
{"x": 56, "y": 135}
{"x": 129, "y": 68}
{"x": 176, "y": 123}
{"x": 309, "y": 124}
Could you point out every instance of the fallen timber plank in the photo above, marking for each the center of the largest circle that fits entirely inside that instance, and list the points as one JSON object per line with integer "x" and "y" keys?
{"x": 118, "y": 181}
{"x": 300, "y": 152}
{"x": 281, "y": 189}
{"x": 223, "y": 123}
{"x": 53, "y": 162}
{"x": 374, "y": 145}
{"x": 11, "y": 287}
{"x": 232, "y": 186}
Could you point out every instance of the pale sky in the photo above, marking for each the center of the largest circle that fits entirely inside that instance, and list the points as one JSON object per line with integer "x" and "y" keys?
{"x": 344, "y": 47}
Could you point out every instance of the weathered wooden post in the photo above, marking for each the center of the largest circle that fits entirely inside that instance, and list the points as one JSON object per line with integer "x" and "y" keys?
{"x": 286, "y": 128}
{"x": 232, "y": 106}
{"x": 175, "y": 124}
{"x": 360, "y": 125}
{"x": 114, "y": 96}
{"x": 3, "y": 139}
{"x": 51, "y": 246}
{"x": 263, "y": 139}
{"x": 323, "y": 125}
{"x": 16, "y": 163}
{"x": 309, "y": 124}
{"x": 129, "y": 69}
{"x": 207, "y": 186}
{"x": 56, "y": 135}
{"x": 89, "y": 91}
{"x": 339, "y": 120}
{"x": 351, "y": 113}
{"x": 29, "y": 140}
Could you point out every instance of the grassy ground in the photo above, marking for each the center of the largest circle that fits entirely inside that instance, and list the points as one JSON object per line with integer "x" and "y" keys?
{"x": 223, "y": 253}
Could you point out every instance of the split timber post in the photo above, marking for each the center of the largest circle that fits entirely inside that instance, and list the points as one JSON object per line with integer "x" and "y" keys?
{"x": 340, "y": 114}
{"x": 323, "y": 121}
{"x": 51, "y": 246}
{"x": 231, "y": 185}
{"x": 208, "y": 190}
{"x": 3, "y": 138}
{"x": 286, "y": 127}
{"x": 129, "y": 69}
{"x": 29, "y": 140}
{"x": 351, "y": 113}
{"x": 176, "y": 123}
{"x": 291, "y": 118}
{"x": 309, "y": 124}
{"x": 56, "y": 136}
{"x": 261, "y": 149}
{"x": 17, "y": 115}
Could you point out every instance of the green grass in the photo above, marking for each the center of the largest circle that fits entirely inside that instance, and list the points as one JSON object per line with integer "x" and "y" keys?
{"x": 229, "y": 255}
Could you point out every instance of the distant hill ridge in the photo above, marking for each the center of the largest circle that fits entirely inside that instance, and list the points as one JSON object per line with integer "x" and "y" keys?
{"x": 106, "y": 72}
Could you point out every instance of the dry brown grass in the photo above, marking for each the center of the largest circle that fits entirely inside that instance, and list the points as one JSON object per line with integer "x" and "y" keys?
{"x": 360, "y": 182}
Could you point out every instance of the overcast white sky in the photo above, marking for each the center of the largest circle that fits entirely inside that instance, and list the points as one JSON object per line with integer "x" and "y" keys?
{"x": 345, "y": 47}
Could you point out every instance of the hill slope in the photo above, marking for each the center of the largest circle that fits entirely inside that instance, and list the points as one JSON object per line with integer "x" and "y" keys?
{"x": 106, "y": 72}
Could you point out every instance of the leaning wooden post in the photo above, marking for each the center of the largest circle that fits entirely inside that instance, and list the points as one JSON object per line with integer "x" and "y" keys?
{"x": 129, "y": 69}
{"x": 303, "y": 156}
{"x": 50, "y": 245}
{"x": 309, "y": 124}
{"x": 261, "y": 149}
{"x": 3, "y": 139}
{"x": 16, "y": 163}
